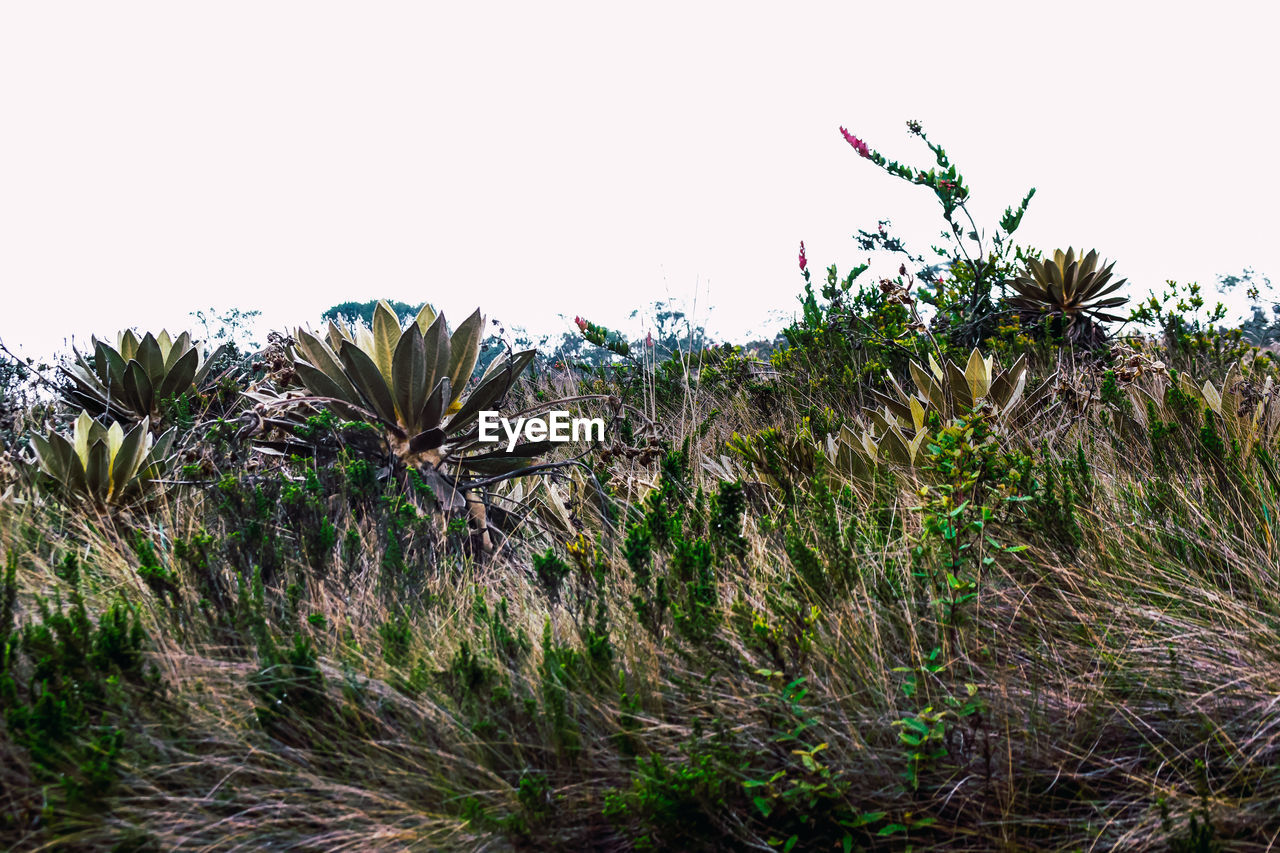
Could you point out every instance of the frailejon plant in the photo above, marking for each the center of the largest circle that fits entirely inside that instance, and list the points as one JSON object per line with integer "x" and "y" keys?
{"x": 1248, "y": 411}
{"x": 942, "y": 393}
{"x": 411, "y": 384}
{"x": 1066, "y": 296}
{"x": 1244, "y": 403}
{"x": 952, "y": 391}
{"x": 899, "y": 426}
{"x": 137, "y": 378}
{"x": 104, "y": 465}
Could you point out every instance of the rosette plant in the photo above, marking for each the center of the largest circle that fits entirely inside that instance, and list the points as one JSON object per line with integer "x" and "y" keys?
{"x": 898, "y": 427}
{"x": 1248, "y": 410}
{"x": 133, "y": 380}
{"x": 410, "y": 384}
{"x": 1068, "y": 292}
{"x": 952, "y": 390}
{"x": 898, "y": 430}
{"x": 105, "y": 465}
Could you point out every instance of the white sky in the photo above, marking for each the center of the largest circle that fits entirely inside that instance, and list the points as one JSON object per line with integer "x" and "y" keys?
{"x": 546, "y": 159}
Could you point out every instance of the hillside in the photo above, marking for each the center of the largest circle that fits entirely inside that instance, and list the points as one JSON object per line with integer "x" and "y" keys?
{"x": 968, "y": 562}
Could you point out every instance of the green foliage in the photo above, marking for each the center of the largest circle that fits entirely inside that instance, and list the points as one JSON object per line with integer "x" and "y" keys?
{"x": 725, "y": 525}
{"x": 965, "y": 290}
{"x": 362, "y": 312}
{"x": 683, "y": 582}
{"x": 1200, "y": 835}
{"x": 675, "y": 803}
{"x": 805, "y": 801}
{"x": 848, "y": 338}
{"x": 71, "y": 690}
{"x": 162, "y": 581}
{"x": 960, "y": 617}
{"x": 397, "y": 638}
{"x": 1056, "y": 491}
{"x": 602, "y": 337}
{"x": 551, "y": 571}
{"x": 361, "y": 478}
{"x": 288, "y": 688}
{"x": 1193, "y": 334}
{"x": 306, "y": 513}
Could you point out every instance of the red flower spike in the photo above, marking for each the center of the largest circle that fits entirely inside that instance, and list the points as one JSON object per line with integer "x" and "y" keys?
{"x": 858, "y": 144}
{"x": 803, "y": 261}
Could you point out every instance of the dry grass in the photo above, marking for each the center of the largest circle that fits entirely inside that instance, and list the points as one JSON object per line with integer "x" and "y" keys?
{"x": 1108, "y": 673}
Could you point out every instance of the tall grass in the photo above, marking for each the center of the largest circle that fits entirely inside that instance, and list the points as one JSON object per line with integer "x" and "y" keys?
{"x": 1113, "y": 685}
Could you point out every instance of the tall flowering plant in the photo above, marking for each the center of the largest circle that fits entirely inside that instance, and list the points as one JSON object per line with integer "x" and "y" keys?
{"x": 967, "y": 289}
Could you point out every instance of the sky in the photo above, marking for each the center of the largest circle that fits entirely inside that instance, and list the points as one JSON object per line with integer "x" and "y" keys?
{"x": 548, "y": 160}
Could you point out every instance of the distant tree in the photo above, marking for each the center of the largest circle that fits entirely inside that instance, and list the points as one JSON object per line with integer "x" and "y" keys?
{"x": 16, "y": 396}
{"x": 231, "y": 326}
{"x": 673, "y": 330}
{"x": 667, "y": 330}
{"x": 363, "y": 311}
{"x": 565, "y": 348}
{"x": 1261, "y": 328}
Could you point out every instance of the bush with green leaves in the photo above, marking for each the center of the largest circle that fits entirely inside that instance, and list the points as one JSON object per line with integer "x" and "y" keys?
{"x": 72, "y": 694}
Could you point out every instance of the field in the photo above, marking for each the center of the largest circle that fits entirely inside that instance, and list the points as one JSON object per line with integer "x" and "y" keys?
{"x": 953, "y": 565}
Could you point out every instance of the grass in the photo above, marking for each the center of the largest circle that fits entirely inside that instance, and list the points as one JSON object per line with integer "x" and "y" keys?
{"x": 335, "y": 670}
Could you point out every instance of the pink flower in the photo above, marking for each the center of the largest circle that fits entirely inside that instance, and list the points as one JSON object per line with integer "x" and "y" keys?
{"x": 582, "y": 324}
{"x": 803, "y": 261}
{"x": 858, "y": 144}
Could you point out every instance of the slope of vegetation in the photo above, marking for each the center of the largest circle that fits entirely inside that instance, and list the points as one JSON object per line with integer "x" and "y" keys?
{"x": 960, "y": 566}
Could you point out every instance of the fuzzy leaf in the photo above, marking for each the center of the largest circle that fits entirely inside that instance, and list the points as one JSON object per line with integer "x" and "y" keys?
{"x": 386, "y": 334}
{"x": 465, "y": 348}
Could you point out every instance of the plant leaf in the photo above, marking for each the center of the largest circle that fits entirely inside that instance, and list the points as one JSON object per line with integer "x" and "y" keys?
{"x": 465, "y": 347}
{"x": 364, "y": 374}
{"x": 386, "y": 334}
{"x": 179, "y": 378}
{"x": 409, "y": 379}
{"x": 1212, "y": 397}
{"x": 323, "y": 358}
